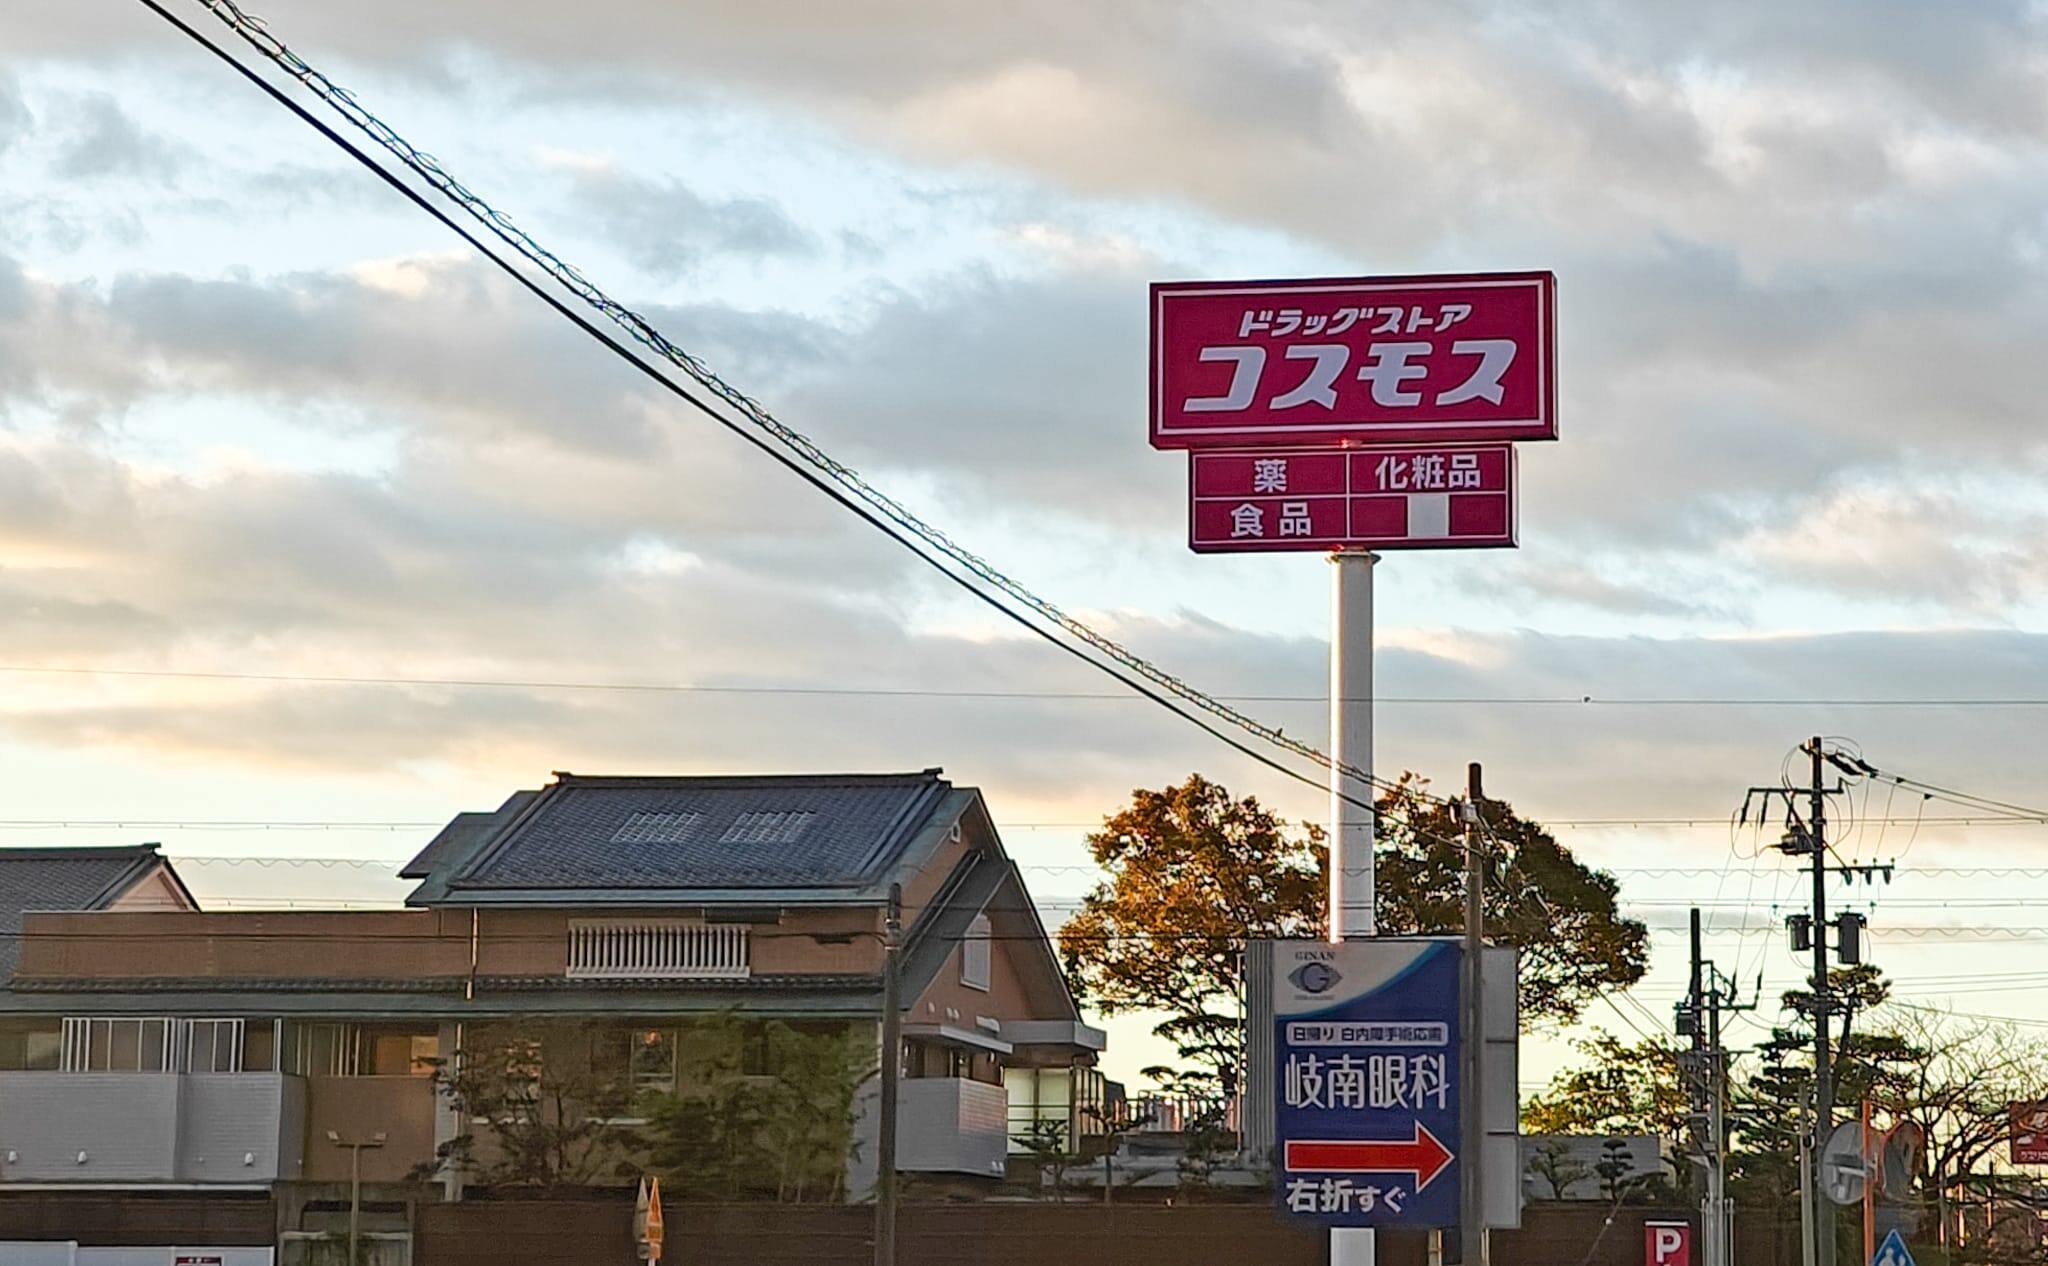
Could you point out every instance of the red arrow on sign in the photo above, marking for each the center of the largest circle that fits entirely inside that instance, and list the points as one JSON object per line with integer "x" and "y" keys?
{"x": 1422, "y": 1155}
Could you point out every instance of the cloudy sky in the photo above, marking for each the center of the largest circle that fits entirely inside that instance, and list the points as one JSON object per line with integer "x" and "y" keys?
{"x": 259, "y": 416}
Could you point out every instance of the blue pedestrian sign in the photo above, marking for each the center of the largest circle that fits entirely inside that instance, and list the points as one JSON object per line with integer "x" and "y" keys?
{"x": 1366, "y": 1081}
{"x": 1892, "y": 1252}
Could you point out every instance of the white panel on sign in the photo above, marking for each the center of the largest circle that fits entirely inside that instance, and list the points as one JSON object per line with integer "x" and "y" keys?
{"x": 1429, "y": 515}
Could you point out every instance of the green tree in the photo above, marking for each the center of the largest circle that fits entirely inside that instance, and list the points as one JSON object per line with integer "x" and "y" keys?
{"x": 1193, "y": 872}
{"x": 763, "y": 1110}
{"x": 542, "y": 1113}
{"x": 1621, "y": 1088}
{"x": 1045, "y": 1142}
{"x": 1564, "y": 916}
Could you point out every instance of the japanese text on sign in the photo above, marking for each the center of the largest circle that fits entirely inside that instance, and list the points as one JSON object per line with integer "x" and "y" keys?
{"x": 1365, "y": 361}
{"x": 1408, "y": 498}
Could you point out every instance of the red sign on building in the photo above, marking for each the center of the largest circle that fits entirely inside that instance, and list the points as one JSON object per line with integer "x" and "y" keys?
{"x": 1667, "y": 1244}
{"x": 1450, "y": 497}
{"x": 1375, "y": 360}
{"x": 2029, "y": 1133}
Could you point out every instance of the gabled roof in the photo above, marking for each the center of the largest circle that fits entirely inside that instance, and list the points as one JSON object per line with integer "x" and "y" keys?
{"x": 69, "y": 879}
{"x": 586, "y": 840}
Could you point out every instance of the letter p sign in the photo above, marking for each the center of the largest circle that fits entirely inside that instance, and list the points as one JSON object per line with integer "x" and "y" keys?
{"x": 1667, "y": 1244}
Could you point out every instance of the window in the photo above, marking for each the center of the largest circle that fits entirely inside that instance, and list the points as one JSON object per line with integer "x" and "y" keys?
{"x": 259, "y": 1046}
{"x": 641, "y": 1059}
{"x": 974, "y": 954}
{"x": 331, "y": 1049}
{"x": 767, "y": 828}
{"x": 656, "y": 828}
{"x": 213, "y": 1046}
{"x": 674, "y": 949}
{"x": 120, "y": 1045}
{"x": 31, "y": 1045}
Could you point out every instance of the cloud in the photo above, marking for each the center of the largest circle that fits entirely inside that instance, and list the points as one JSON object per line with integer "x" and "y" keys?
{"x": 669, "y": 230}
{"x": 15, "y": 119}
{"x": 104, "y": 141}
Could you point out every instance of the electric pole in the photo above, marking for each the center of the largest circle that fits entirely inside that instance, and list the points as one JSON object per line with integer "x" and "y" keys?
{"x": 892, "y": 1059}
{"x": 1472, "y": 1224}
{"x": 1823, "y": 1074}
{"x": 1806, "y": 835}
{"x": 1699, "y": 1018}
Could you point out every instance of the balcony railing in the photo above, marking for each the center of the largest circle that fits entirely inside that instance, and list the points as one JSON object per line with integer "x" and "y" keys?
{"x": 678, "y": 949}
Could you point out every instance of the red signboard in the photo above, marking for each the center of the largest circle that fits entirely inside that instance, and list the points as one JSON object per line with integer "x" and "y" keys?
{"x": 2029, "y": 1133}
{"x": 1667, "y": 1244}
{"x": 1448, "y": 497}
{"x": 1373, "y": 360}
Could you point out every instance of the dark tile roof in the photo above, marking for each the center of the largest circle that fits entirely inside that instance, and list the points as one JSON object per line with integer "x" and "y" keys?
{"x": 62, "y": 879}
{"x": 677, "y": 834}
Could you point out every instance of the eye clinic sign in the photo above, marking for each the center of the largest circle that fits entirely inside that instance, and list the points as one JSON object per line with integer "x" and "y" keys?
{"x": 1375, "y": 360}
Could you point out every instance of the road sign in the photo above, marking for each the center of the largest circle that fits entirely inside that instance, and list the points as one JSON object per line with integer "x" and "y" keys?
{"x": 1367, "y": 1080}
{"x": 1667, "y": 1244}
{"x": 1893, "y": 1252}
{"x": 1441, "y": 497}
{"x": 2029, "y": 1133}
{"x": 1368, "y": 360}
{"x": 1843, "y": 1169}
{"x": 648, "y": 1224}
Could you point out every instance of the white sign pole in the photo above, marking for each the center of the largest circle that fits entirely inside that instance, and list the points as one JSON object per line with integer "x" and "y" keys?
{"x": 1351, "y": 913}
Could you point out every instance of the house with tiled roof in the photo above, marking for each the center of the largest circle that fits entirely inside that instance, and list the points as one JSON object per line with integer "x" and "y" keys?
{"x": 226, "y": 1051}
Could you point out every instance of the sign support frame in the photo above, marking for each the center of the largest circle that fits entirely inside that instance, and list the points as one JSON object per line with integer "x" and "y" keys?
{"x": 1352, "y": 911}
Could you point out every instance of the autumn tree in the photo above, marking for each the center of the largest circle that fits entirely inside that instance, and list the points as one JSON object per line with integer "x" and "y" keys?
{"x": 1193, "y": 872}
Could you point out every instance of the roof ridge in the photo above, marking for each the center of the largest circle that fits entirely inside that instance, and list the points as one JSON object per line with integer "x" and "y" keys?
{"x": 908, "y": 778}
{"x": 81, "y": 852}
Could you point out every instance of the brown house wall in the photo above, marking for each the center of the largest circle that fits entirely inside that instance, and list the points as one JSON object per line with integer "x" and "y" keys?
{"x": 384, "y": 944}
{"x": 358, "y": 1108}
{"x": 1005, "y": 998}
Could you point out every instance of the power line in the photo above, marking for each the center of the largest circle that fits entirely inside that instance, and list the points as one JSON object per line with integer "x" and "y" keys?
{"x": 809, "y": 458}
{"x": 1056, "y": 696}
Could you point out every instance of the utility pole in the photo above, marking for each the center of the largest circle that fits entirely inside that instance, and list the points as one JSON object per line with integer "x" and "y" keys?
{"x": 1806, "y": 835}
{"x": 1707, "y": 1075}
{"x": 355, "y": 1188}
{"x": 1472, "y": 1222}
{"x": 892, "y": 1059}
{"x": 1823, "y": 1074}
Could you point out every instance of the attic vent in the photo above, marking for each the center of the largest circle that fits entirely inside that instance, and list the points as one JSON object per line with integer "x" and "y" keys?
{"x": 767, "y": 828}
{"x": 656, "y": 828}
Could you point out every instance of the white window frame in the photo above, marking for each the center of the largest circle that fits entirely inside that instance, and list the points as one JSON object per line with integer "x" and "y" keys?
{"x": 84, "y": 1035}
{"x": 976, "y": 954}
{"x": 230, "y": 1028}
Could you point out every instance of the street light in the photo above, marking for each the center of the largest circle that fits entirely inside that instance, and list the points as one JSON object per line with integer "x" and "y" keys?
{"x": 355, "y": 1185}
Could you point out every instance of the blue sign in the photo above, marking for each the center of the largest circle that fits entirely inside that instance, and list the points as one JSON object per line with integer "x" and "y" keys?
{"x": 1366, "y": 1075}
{"x": 1892, "y": 1252}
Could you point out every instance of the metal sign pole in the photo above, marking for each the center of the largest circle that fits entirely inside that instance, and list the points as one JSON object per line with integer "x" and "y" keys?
{"x": 1351, "y": 911}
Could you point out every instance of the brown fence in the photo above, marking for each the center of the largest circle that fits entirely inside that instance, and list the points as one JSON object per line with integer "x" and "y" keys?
{"x": 130, "y": 1218}
{"x": 530, "y": 1233}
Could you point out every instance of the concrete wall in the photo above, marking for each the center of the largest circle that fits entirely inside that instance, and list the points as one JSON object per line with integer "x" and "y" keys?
{"x": 148, "y": 1127}
{"x": 947, "y": 1125}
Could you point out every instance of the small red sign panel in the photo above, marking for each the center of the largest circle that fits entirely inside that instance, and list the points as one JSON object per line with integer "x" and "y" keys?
{"x": 1449, "y": 497}
{"x": 2029, "y": 1133}
{"x": 1376, "y": 360}
{"x": 1667, "y": 1244}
